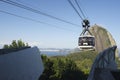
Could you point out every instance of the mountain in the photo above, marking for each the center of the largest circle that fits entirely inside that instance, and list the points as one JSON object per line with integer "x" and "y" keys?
{"x": 103, "y": 38}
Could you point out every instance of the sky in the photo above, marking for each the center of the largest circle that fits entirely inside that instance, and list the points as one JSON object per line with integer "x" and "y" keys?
{"x": 56, "y": 34}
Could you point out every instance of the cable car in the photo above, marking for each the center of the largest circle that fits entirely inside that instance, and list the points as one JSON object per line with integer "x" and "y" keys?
{"x": 86, "y": 42}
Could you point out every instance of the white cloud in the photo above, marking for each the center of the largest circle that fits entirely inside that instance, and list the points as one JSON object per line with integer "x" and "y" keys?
{"x": 34, "y": 43}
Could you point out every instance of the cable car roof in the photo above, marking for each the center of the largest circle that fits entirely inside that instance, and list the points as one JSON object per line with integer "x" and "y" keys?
{"x": 86, "y": 36}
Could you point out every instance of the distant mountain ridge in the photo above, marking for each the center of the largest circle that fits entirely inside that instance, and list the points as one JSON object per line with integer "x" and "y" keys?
{"x": 103, "y": 38}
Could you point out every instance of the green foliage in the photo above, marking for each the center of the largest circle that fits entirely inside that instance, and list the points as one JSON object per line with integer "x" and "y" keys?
{"x": 16, "y": 44}
{"x": 60, "y": 69}
{"x": 72, "y": 72}
{"x": 118, "y": 62}
{"x": 6, "y": 46}
{"x": 75, "y": 66}
{"x": 85, "y": 65}
{"x": 83, "y": 55}
{"x": 84, "y": 60}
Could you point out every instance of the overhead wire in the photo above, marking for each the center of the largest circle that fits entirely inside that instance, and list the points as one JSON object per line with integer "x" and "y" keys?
{"x": 23, "y": 2}
{"x": 36, "y": 11}
{"x": 31, "y": 19}
{"x": 75, "y": 9}
{"x": 80, "y": 8}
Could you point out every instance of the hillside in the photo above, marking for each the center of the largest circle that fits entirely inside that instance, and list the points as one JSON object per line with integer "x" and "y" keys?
{"x": 74, "y": 66}
{"x": 103, "y": 38}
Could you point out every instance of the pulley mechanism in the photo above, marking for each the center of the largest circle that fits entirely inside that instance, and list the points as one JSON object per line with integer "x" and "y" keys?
{"x": 85, "y": 25}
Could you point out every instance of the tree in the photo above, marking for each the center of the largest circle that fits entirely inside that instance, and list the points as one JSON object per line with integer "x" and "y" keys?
{"x": 6, "y": 46}
{"x": 72, "y": 72}
{"x": 48, "y": 71}
{"x": 60, "y": 68}
{"x": 16, "y": 44}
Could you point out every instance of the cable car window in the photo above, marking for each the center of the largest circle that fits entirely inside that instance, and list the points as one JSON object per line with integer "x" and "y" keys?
{"x": 86, "y": 41}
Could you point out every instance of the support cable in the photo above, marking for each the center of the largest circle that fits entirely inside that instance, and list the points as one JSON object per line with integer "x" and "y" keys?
{"x": 75, "y": 9}
{"x": 80, "y": 8}
{"x": 31, "y": 19}
{"x": 36, "y": 11}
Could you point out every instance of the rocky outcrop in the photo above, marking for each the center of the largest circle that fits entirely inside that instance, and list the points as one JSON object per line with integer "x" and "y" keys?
{"x": 103, "y": 38}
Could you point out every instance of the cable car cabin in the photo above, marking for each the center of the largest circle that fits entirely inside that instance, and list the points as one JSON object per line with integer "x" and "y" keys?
{"x": 86, "y": 42}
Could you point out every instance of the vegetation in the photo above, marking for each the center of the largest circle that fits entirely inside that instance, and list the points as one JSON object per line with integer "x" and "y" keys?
{"x": 75, "y": 66}
{"x": 16, "y": 44}
{"x": 118, "y": 62}
{"x": 84, "y": 60}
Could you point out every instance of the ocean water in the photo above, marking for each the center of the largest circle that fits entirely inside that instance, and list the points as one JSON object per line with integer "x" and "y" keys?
{"x": 55, "y": 53}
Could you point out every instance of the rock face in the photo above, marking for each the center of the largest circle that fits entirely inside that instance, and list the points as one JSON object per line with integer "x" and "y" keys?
{"x": 25, "y": 64}
{"x": 103, "y": 39}
{"x": 103, "y": 65}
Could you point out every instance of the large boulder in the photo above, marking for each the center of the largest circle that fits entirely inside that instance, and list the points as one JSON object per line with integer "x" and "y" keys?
{"x": 103, "y": 38}
{"x": 104, "y": 66}
{"x": 20, "y": 64}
